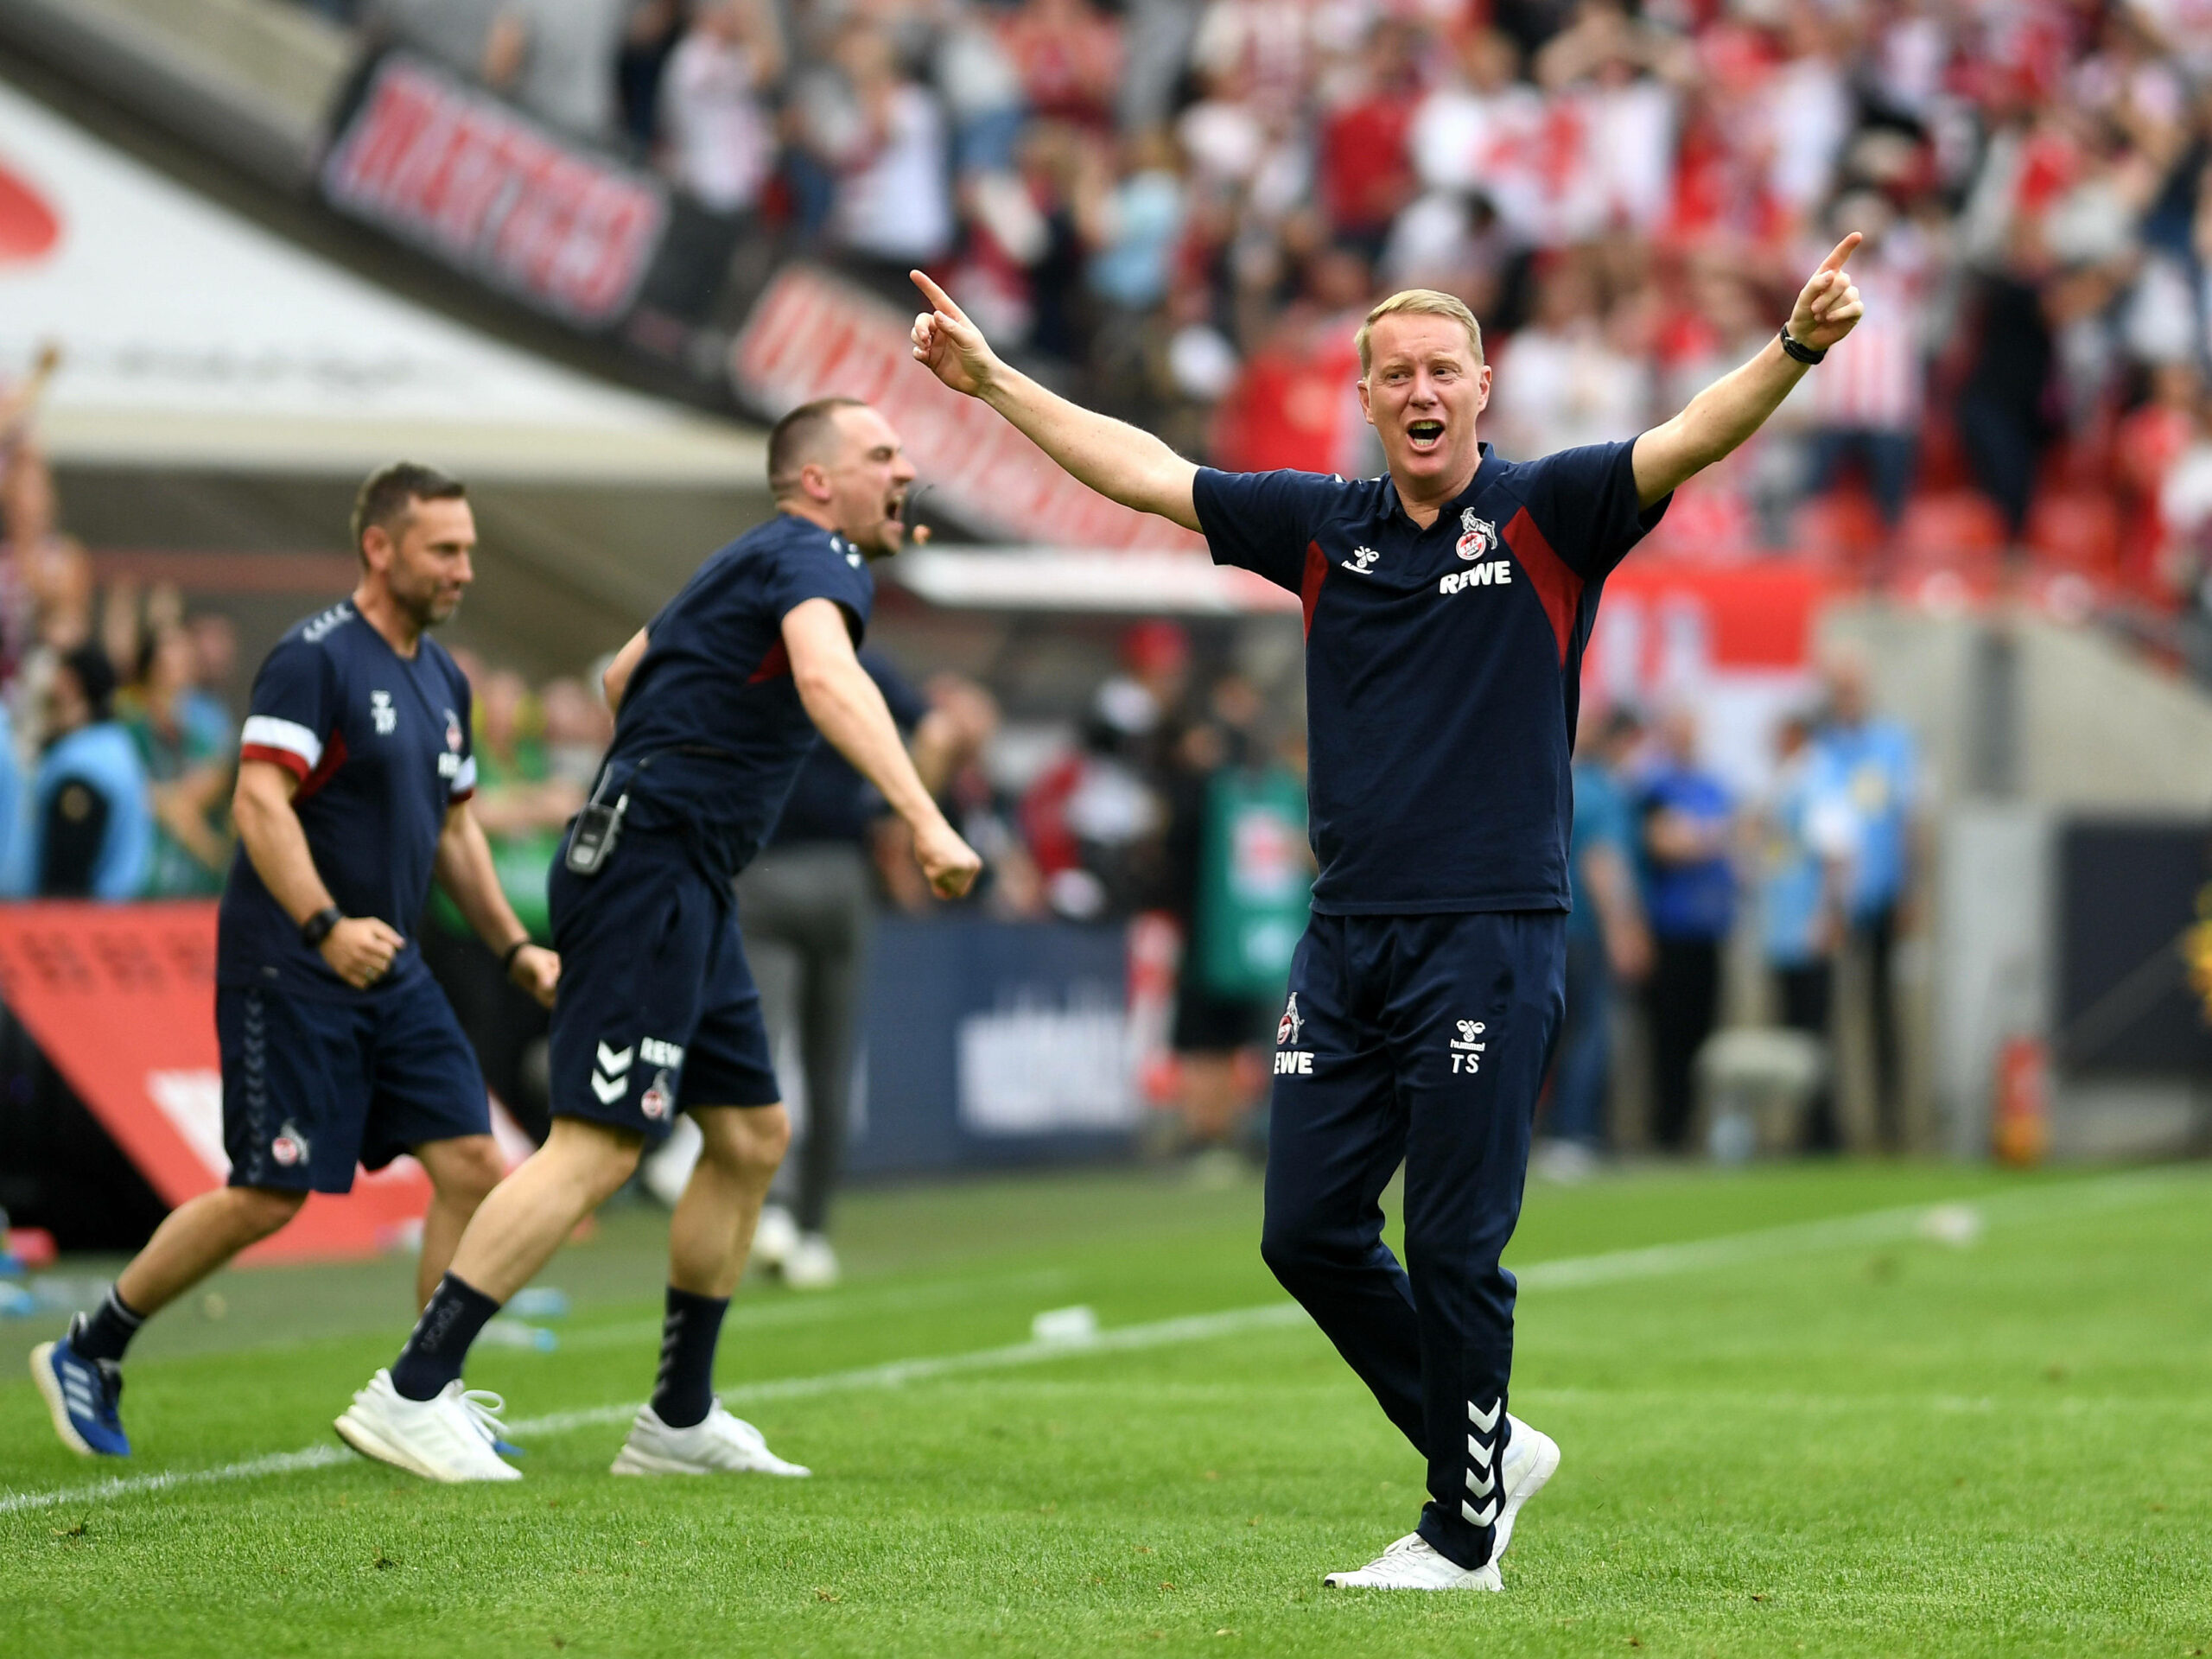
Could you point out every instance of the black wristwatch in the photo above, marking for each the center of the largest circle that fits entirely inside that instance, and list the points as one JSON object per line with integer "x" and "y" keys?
{"x": 507, "y": 957}
{"x": 1803, "y": 353}
{"x": 317, "y": 927}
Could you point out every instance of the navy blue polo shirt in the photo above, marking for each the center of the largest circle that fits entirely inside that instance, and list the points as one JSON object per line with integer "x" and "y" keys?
{"x": 1443, "y": 667}
{"x": 712, "y": 732}
{"x": 380, "y": 744}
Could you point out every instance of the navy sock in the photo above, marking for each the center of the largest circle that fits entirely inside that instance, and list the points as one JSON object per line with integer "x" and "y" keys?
{"x": 683, "y": 1393}
{"x": 107, "y": 1332}
{"x": 435, "y": 1353}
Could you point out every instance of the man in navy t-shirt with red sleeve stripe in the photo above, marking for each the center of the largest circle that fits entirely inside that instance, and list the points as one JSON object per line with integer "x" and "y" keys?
{"x": 338, "y": 1048}
{"x": 1447, "y": 606}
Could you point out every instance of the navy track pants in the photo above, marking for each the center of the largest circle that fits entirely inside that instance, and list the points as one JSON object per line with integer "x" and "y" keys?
{"x": 1425, "y": 1039}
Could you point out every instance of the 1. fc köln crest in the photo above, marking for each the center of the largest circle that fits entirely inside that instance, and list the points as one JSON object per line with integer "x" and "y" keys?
{"x": 1477, "y": 536}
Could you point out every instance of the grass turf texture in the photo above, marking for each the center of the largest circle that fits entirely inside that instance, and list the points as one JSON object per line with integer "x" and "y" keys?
{"x": 1838, "y": 1441}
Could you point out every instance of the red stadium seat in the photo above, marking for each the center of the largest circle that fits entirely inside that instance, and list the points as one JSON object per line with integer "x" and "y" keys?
{"x": 1842, "y": 525}
{"x": 1955, "y": 527}
{"x": 2076, "y": 531}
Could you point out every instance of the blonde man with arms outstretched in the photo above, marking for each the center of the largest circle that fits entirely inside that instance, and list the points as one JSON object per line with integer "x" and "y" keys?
{"x": 1447, "y": 604}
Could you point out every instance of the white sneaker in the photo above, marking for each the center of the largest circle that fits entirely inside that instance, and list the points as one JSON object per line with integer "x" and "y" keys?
{"x": 1413, "y": 1564}
{"x": 774, "y": 1238}
{"x": 811, "y": 1264}
{"x": 1531, "y": 1459}
{"x": 720, "y": 1445}
{"x": 448, "y": 1437}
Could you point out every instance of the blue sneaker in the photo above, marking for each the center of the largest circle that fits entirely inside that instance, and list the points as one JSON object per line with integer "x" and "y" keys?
{"x": 82, "y": 1396}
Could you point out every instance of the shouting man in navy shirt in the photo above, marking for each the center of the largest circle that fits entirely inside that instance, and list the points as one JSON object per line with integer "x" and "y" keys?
{"x": 338, "y": 1048}
{"x": 1446, "y": 607}
{"x": 717, "y": 701}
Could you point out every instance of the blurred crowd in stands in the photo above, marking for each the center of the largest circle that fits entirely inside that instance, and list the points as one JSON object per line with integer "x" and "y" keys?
{"x": 1179, "y": 206}
{"x": 116, "y": 736}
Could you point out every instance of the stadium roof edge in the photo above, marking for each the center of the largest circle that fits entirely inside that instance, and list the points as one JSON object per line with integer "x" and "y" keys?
{"x": 252, "y": 81}
{"x": 680, "y": 453}
{"x": 196, "y": 340}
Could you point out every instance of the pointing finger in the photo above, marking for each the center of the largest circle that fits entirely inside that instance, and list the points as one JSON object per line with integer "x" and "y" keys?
{"x": 936, "y": 296}
{"x": 1844, "y": 250}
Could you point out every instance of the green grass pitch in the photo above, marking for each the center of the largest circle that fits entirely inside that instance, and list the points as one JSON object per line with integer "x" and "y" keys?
{"x": 1792, "y": 1422}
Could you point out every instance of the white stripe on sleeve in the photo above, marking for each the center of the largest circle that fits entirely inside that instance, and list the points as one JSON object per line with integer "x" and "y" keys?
{"x": 267, "y": 732}
{"x": 465, "y": 780}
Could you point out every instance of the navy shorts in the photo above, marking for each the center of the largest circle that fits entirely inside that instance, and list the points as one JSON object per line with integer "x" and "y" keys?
{"x": 658, "y": 1013}
{"x": 311, "y": 1088}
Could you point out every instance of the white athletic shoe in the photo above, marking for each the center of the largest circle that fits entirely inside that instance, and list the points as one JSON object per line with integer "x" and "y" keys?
{"x": 1413, "y": 1564}
{"x": 774, "y": 1238}
{"x": 811, "y": 1264}
{"x": 1531, "y": 1459}
{"x": 719, "y": 1444}
{"x": 448, "y": 1437}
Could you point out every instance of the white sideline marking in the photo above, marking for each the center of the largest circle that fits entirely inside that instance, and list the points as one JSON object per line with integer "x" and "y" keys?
{"x": 896, "y": 1373}
{"x": 278, "y": 1463}
{"x": 1568, "y": 1273}
{"x": 1198, "y": 1327}
{"x": 825, "y": 1310}
{"x": 1870, "y": 1227}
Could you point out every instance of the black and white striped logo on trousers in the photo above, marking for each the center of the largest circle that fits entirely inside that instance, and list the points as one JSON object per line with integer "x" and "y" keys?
{"x": 1480, "y": 1506}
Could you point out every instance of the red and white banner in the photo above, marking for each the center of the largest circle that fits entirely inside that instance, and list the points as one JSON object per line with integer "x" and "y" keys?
{"x": 1734, "y": 641}
{"x": 440, "y": 164}
{"x": 812, "y": 336}
{"x": 1667, "y": 623}
{"x": 121, "y": 999}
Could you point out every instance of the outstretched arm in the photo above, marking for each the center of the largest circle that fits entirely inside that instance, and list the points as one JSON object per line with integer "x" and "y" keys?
{"x": 1733, "y": 407}
{"x": 846, "y": 708}
{"x": 1114, "y": 457}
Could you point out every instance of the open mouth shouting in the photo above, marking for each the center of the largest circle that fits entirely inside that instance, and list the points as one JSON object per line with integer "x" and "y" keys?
{"x": 1425, "y": 436}
{"x": 898, "y": 523}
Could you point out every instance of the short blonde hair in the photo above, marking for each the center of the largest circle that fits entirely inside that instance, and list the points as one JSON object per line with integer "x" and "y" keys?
{"x": 1420, "y": 301}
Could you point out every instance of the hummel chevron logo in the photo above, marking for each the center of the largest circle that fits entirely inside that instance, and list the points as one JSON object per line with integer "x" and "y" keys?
{"x": 1478, "y": 1452}
{"x": 615, "y": 1063}
{"x": 1483, "y": 1487}
{"x": 1481, "y": 1517}
{"x": 1484, "y": 1422}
